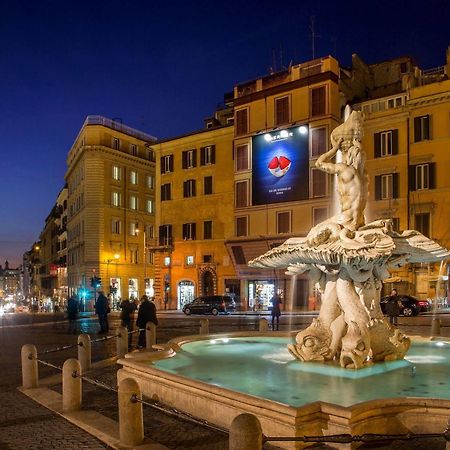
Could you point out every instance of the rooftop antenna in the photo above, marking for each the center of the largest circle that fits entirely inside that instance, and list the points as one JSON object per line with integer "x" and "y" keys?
{"x": 313, "y": 36}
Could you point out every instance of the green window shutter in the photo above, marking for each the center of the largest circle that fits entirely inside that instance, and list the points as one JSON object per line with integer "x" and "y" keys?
{"x": 395, "y": 142}
{"x": 377, "y": 144}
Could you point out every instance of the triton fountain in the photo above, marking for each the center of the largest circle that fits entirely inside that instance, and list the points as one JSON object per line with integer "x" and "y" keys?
{"x": 301, "y": 383}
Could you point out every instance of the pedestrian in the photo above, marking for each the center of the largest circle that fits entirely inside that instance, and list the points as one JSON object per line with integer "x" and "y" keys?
{"x": 276, "y": 311}
{"x": 146, "y": 313}
{"x": 128, "y": 309}
{"x": 102, "y": 310}
{"x": 72, "y": 314}
{"x": 393, "y": 307}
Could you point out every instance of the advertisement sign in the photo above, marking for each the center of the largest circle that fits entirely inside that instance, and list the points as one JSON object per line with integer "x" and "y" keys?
{"x": 280, "y": 162}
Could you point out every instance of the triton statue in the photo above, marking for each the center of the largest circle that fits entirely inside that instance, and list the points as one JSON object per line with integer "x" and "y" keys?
{"x": 349, "y": 259}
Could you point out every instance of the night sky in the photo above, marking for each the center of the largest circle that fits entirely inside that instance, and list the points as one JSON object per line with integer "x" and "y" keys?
{"x": 162, "y": 67}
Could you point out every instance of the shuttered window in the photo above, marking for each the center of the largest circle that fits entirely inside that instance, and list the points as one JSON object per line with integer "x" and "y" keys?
{"x": 386, "y": 186}
{"x": 318, "y": 183}
{"x": 241, "y": 226}
{"x": 207, "y": 229}
{"x": 166, "y": 192}
{"x": 208, "y": 185}
{"x": 422, "y": 128}
{"x": 386, "y": 143}
{"x": 318, "y": 141}
{"x": 282, "y": 110}
{"x": 318, "y": 101}
{"x": 241, "y": 194}
{"x": 241, "y": 122}
{"x": 189, "y": 189}
{"x": 167, "y": 164}
{"x": 189, "y": 159}
{"x": 284, "y": 222}
{"x": 189, "y": 230}
{"x": 208, "y": 155}
{"x": 422, "y": 223}
{"x": 422, "y": 176}
{"x": 242, "y": 157}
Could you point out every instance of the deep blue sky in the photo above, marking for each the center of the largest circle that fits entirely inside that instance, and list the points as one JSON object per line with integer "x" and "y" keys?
{"x": 162, "y": 67}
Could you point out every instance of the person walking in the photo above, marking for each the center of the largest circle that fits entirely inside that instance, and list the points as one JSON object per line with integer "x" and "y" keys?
{"x": 393, "y": 307}
{"x": 276, "y": 311}
{"x": 102, "y": 310}
{"x": 146, "y": 313}
{"x": 128, "y": 309}
{"x": 72, "y": 314}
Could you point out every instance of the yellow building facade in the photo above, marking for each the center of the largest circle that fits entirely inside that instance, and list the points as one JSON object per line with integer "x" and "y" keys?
{"x": 282, "y": 125}
{"x": 195, "y": 215}
{"x": 111, "y": 210}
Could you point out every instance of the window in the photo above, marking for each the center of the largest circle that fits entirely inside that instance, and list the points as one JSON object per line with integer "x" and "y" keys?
{"x": 422, "y": 223}
{"x": 167, "y": 261}
{"x": 150, "y": 182}
{"x": 241, "y": 194}
{"x": 208, "y": 155}
{"x": 133, "y": 177}
{"x": 189, "y": 159}
{"x": 318, "y": 141}
{"x": 133, "y": 150}
{"x": 318, "y": 101}
{"x": 133, "y": 256}
{"x": 115, "y": 143}
{"x": 116, "y": 199}
{"x": 207, "y": 229}
{"x": 166, "y": 192}
{"x": 281, "y": 110}
{"x": 319, "y": 215}
{"x": 189, "y": 189}
{"x": 422, "y": 128}
{"x": 167, "y": 164}
{"x": 319, "y": 183}
{"x": 386, "y": 186}
{"x": 189, "y": 260}
{"x": 151, "y": 154}
{"x": 422, "y": 176}
{"x": 242, "y": 160}
{"x": 238, "y": 254}
{"x": 189, "y": 231}
{"x": 133, "y": 202}
{"x": 208, "y": 185}
{"x": 386, "y": 143}
{"x": 284, "y": 222}
{"x": 134, "y": 227}
{"x": 165, "y": 235}
{"x": 241, "y": 226}
{"x": 150, "y": 206}
{"x": 150, "y": 231}
{"x": 395, "y": 223}
{"x": 116, "y": 226}
{"x": 116, "y": 173}
{"x": 207, "y": 259}
{"x": 241, "y": 122}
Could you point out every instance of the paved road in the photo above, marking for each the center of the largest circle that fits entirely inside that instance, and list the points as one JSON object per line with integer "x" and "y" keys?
{"x": 26, "y": 425}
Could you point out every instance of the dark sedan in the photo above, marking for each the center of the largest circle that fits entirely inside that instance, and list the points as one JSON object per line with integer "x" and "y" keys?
{"x": 411, "y": 306}
{"x": 210, "y": 304}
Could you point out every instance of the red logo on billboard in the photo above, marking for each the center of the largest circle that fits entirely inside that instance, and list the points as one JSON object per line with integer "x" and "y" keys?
{"x": 279, "y": 166}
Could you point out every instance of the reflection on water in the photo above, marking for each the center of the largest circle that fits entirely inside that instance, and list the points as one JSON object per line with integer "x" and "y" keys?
{"x": 263, "y": 367}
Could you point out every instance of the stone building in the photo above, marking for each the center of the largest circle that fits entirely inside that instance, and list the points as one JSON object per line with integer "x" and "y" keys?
{"x": 111, "y": 205}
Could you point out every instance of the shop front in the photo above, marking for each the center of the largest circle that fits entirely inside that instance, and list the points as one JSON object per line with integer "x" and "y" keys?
{"x": 186, "y": 292}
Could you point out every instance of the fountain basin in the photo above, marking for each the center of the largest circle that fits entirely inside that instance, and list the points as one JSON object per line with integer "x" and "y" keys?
{"x": 217, "y": 377}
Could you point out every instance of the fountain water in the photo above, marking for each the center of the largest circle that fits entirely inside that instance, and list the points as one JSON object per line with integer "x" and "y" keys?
{"x": 300, "y": 384}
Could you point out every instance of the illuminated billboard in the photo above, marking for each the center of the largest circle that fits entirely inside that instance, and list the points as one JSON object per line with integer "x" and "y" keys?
{"x": 280, "y": 162}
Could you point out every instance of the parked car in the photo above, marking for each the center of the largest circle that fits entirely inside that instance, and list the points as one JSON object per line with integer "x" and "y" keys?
{"x": 411, "y": 305}
{"x": 210, "y": 304}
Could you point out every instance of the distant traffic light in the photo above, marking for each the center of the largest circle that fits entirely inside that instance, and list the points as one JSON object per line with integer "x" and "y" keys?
{"x": 96, "y": 282}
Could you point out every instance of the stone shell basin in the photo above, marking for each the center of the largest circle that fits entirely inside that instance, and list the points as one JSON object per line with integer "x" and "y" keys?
{"x": 219, "y": 405}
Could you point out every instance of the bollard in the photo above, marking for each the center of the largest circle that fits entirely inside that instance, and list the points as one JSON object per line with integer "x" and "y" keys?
{"x": 84, "y": 351}
{"x": 435, "y": 327}
{"x": 122, "y": 342}
{"x": 263, "y": 325}
{"x": 150, "y": 335}
{"x": 131, "y": 421}
{"x": 30, "y": 378}
{"x": 245, "y": 433}
{"x": 71, "y": 385}
{"x": 204, "y": 326}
